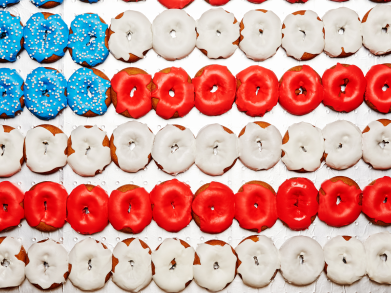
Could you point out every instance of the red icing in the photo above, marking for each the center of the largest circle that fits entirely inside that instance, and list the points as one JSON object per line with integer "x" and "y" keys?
{"x": 138, "y": 105}
{"x": 46, "y": 203}
{"x": 255, "y": 207}
{"x": 215, "y": 207}
{"x": 217, "y": 2}
{"x": 251, "y": 79}
{"x": 376, "y": 201}
{"x": 182, "y": 101}
{"x": 96, "y": 201}
{"x": 172, "y": 205}
{"x": 300, "y": 104}
{"x": 177, "y": 4}
{"x": 221, "y": 100}
{"x": 256, "y": 1}
{"x": 296, "y": 203}
{"x": 377, "y": 77}
{"x": 11, "y": 212}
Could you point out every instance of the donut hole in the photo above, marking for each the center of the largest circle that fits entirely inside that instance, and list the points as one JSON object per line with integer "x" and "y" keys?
{"x": 3, "y": 35}
{"x": 257, "y": 90}
{"x": 173, "y": 206}
{"x": 344, "y": 260}
{"x": 256, "y": 260}
{"x": 256, "y": 205}
{"x": 132, "y": 145}
{"x": 383, "y": 257}
{"x": 174, "y": 148}
{"x": 260, "y": 32}
{"x": 45, "y": 36}
{"x": 5, "y": 263}
{"x": 304, "y": 34}
{"x": 89, "y": 94}
{"x": 343, "y": 88}
{"x": 2, "y": 149}
{"x": 303, "y": 148}
{"x": 86, "y": 211}
{"x": 212, "y": 208}
{"x": 338, "y": 200}
{"x": 173, "y": 34}
{"x": 45, "y": 266}
{"x": 216, "y": 266}
{"x": 259, "y": 143}
{"x": 129, "y": 35}
{"x": 215, "y": 150}
{"x": 383, "y": 144}
{"x": 385, "y": 29}
{"x": 129, "y": 209}
{"x": 87, "y": 150}
{"x": 301, "y": 91}
{"x": 4, "y": 94}
{"x": 218, "y": 33}
{"x": 339, "y": 146}
{"x": 385, "y": 200}
{"x": 45, "y": 205}
{"x": 131, "y": 262}
{"x": 301, "y": 259}
{"x": 45, "y": 143}
{"x": 5, "y": 207}
{"x": 214, "y": 89}
{"x": 89, "y": 265}
{"x": 173, "y": 265}
{"x": 171, "y": 93}
{"x": 385, "y": 87}
{"x": 45, "y": 92}
{"x": 91, "y": 40}
{"x": 132, "y": 92}
{"x": 341, "y": 31}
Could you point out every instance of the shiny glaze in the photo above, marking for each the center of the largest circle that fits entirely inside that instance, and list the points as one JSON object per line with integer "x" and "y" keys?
{"x": 373, "y": 204}
{"x": 11, "y": 210}
{"x": 176, "y": 4}
{"x": 217, "y": 2}
{"x": 378, "y": 76}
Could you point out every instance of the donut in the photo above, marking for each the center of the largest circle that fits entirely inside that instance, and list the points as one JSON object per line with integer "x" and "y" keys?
{"x": 90, "y": 1}
{"x": 8, "y": 3}
{"x": 12, "y": 213}
{"x": 377, "y": 249}
{"x": 215, "y": 265}
{"x": 11, "y": 151}
{"x": 217, "y": 149}
{"x": 218, "y": 33}
{"x": 259, "y": 145}
{"x": 173, "y": 34}
{"x": 175, "y": 4}
{"x": 45, "y": 206}
{"x": 213, "y": 208}
{"x": 302, "y": 260}
{"x": 87, "y": 210}
{"x": 173, "y": 93}
{"x": 171, "y": 205}
{"x": 131, "y": 92}
{"x": 130, "y": 36}
{"x": 45, "y": 149}
{"x": 47, "y": 264}
{"x": 47, "y": 4}
{"x": 258, "y": 260}
{"x": 256, "y": 1}
{"x": 12, "y": 253}
{"x": 91, "y": 263}
{"x": 260, "y": 34}
{"x": 297, "y": 203}
{"x": 377, "y": 95}
{"x": 11, "y": 42}
{"x": 255, "y": 206}
{"x": 174, "y": 149}
{"x": 301, "y": 90}
{"x": 136, "y": 276}
{"x": 217, "y": 2}
{"x": 45, "y": 92}
{"x": 130, "y": 209}
{"x": 87, "y": 43}
{"x": 302, "y": 147}
{"x": 11, "y": 88}
{"x": 172, "y": 265}
{"x": 88, "y": 150}
{"x": 214, "y": 88}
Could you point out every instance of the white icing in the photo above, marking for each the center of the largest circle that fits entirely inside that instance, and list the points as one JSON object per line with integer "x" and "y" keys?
{"x": 11, "y": 151}
{"x": 378, "y": 257}
{"x": 13, "y": 274}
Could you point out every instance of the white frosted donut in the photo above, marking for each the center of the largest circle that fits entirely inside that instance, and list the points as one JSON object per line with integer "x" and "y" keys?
{"x": 11, "y": 274}
{"x": 133, "y": 142}
{"x": 342, "y": 144}
{"x": 174, "y": 35}
{"x": 91, "y": 264}
{"x": 302, "y": 260}
{"x": 48, "y": 263}
{"x": 11, "y": 151}
{"x": 217, "y": 31}
{"x": 217, "y": 149}
{"x": 304, "y": 149}
{"x": 345, "y": 260}
{"x": 378, "y": 253}
{"x": 173, "y": 262}
{"x": 376, "y": 145}
{"x": 342, "y": 30}
{"x": 90, "y": 156}
{"x": 138, "y": 27}
{"x": 261, "y": 35}
{"x": 260, "y": 147}
{"x": 259, "y": 259}
{"x": 174, "y": 149}
{"x": 302, "y": 35}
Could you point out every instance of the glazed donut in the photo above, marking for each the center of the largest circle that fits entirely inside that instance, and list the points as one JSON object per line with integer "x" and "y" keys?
{"x": 177, "y": 4}
{"x": 217, "y": 149}
{"x": 377, "y": 95}
{"x": 174, "y": 81}
{"x": 174, "y": 149}
{"x": 45, "y": 149}
{"x": 297, "y": 203}
{"x": 11, "y": 43}
{"x": 377, "y": 248}
{"x": 11, "y": 151}
{"x": 13, "y": 252}
{"x": 302, "y": 260}
{"x": 173, "y": 34}
{"x": 8, "y": 3}
{"x": 260, "y": 34}
{"x": 171, "y": 205}
{"x": 87, "y": 209}
{"x": 301, "y": 90}
{"x": 255, "y": 206}
{"x": 259, "y": 146}
{"x": 12, "y": 213}
{"x": 11, "y": 88}
{"x": 302, "y": 147}
{"x": 46, "y": 3}
{"x": 213, "y": 208}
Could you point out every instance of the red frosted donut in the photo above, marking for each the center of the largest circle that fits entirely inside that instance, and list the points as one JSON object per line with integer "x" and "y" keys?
{"x": 339, "y": 201}
{"x": 296, "y": 203}
{"x": 11, "y": 206}
{"x": 130, "y": 209}
{"x": 301, "y": 90}
{"x": 378, "y": 94}
{"x": 376, "y": 201}
{"x": 217, "y": 2}
{"x": 171, "y": 204}
{"x": 213, "y": 207}
{"x": 215, "y": 88}
{"x": 177, "y": 81}
{"x": 87, "y": 209}
{"x": 45, "y": 206}
{"x": 176, "y": 4}
{"x": 257, "y": 90}
{"x": 255, "y": 206}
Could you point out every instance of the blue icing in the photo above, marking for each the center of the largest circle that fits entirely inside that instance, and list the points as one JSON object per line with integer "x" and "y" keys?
{"x": 45, "y": 37}
{"x": 88, "y": 39}
{"x": 10, "y": 92}
{"x": 11, "y": 33}
{"x": 6, "y": 3}
{"x": 92, "y": 1}
{"x": 44, "y": 93}
{"x": 39, "y": 3}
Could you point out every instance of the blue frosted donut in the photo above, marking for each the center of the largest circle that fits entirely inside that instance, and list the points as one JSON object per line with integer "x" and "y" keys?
{"x": 8, "y": 3}
{"x": 86, "y": 43}
{"x": 11, "y": 93}
{"x": 89, "y": 1}
{"x": 88, "y": 92}
{"x": 44, "y": 92}
{"x": 46, "y": 3}
{"x": 45, "y": 37}
{"x": 11, "y": 36}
